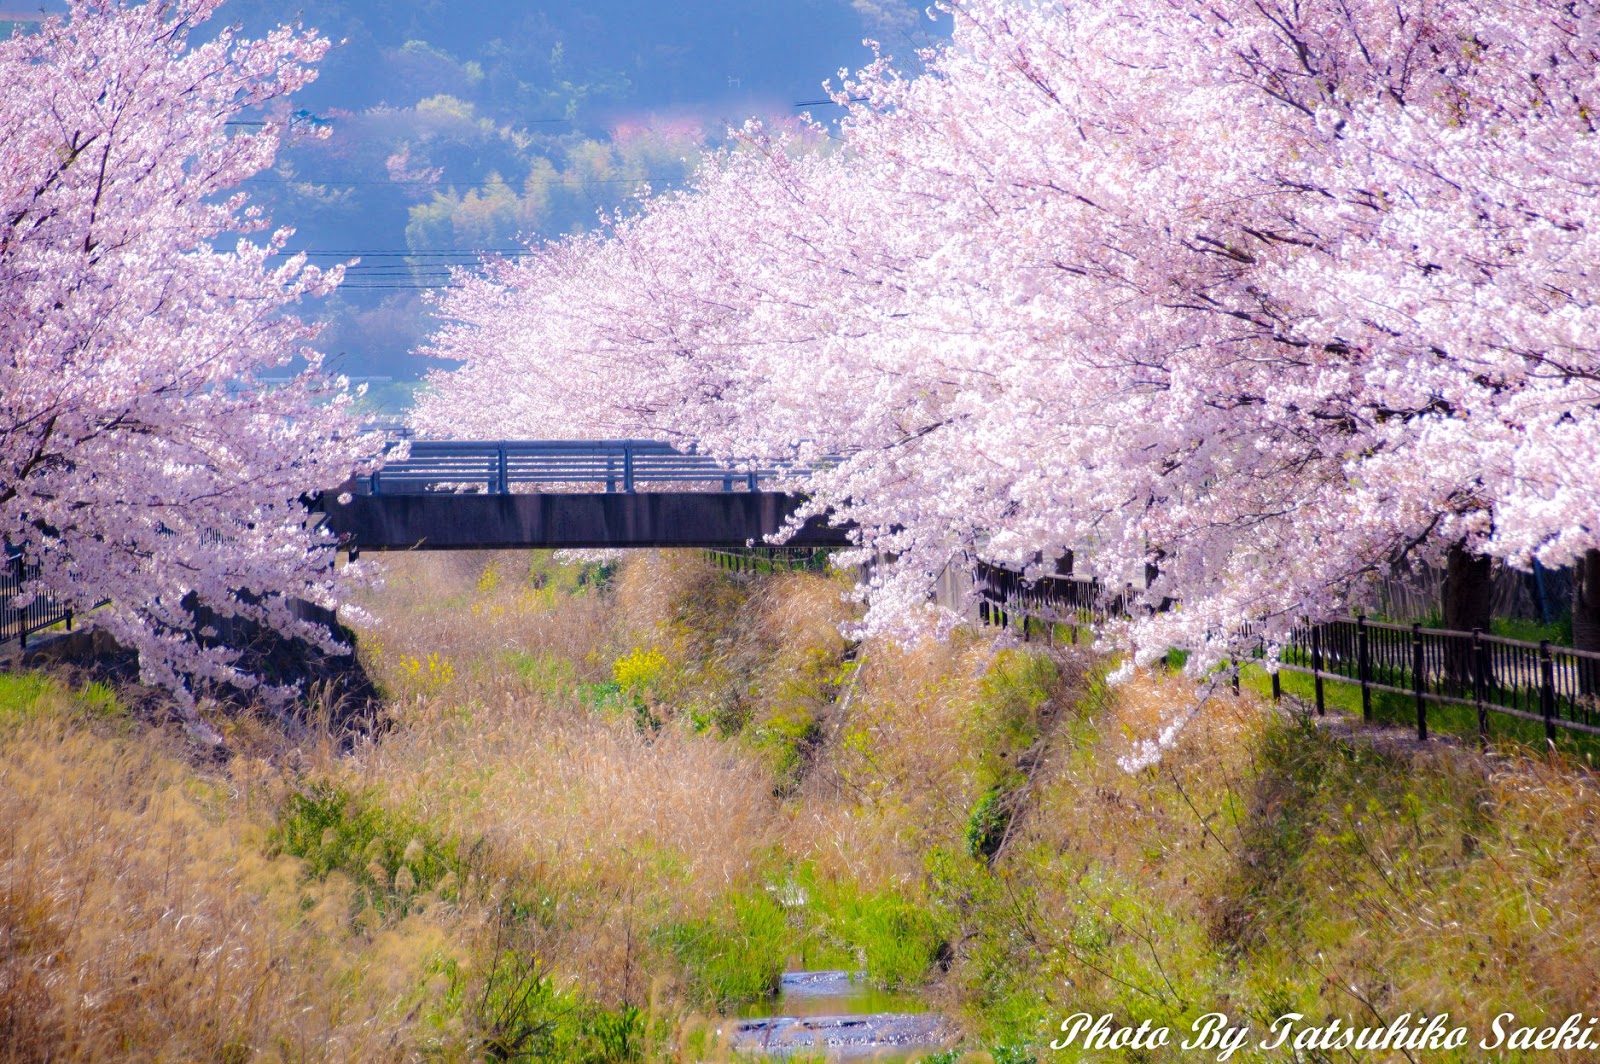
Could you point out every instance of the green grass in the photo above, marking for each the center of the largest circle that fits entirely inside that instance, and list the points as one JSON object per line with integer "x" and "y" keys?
{"x": 518, "y": 1012}
{"x": 1312, "y": 868}
{"x": 895, "y": 938}
{"x": 1528, "y": 630}
{"x": 24, "y": 695}
{"x": 547, "y": 674}
{"x": 1558, "y": 631}
{"x": 735, "y": 956}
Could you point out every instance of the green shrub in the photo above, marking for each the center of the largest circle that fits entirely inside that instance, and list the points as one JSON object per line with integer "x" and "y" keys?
{"x": 392, "y": 856}
{"x": 568, "y": 578}
{"x": 987, "y": 824}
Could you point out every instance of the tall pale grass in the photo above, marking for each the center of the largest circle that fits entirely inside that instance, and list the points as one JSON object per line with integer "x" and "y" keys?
{"x": 140, "y": 921}
{"x": 1255, "y": 866}
{"x": 622, "y": 829}
{"x": 896, "y": 781}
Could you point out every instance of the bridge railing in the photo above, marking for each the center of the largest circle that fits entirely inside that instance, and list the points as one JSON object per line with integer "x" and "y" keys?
{"x": 498, "y": 467}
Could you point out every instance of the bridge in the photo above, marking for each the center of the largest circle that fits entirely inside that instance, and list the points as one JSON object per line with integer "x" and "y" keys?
{"x": 488, "y": 495}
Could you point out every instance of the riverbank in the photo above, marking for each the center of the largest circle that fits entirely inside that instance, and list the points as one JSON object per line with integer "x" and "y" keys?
{"x": 610, "y": 806}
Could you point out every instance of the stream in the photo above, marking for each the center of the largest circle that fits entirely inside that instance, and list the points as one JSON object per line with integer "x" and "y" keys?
{"x": 839, "y": 1014}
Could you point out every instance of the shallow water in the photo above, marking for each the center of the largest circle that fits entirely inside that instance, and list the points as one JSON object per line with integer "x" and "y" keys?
{"x": 830, "y": 994}
{"x": 840, "y": 1014}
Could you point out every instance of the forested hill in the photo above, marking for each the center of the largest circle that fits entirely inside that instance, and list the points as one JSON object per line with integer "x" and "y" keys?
{"x": 455, "y": 128}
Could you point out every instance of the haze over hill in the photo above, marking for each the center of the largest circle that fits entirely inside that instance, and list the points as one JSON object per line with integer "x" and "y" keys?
{"x": 456, "y": 129}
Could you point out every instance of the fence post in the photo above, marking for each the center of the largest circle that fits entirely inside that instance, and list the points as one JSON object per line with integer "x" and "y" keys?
{"x": 1316, "y": 667}
{"x": 1364, "y": 666}
{"x": 1419, "y": 668}
{"x": 1547, "y": 690}
{"x": 1277, "y": 686}
{"x": 1480, "y": 685}
{"x": 627, "y": 468}
{"x": 502, "y": 487}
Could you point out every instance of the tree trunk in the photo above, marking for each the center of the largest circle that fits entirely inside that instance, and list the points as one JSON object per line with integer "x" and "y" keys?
{"x": 1468, "y": 604}
{"x": 1586, "y": 617}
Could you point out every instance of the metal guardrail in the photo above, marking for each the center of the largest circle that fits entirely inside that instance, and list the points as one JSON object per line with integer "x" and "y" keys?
{"x": 20, "y": 622}
{"x": 497, "y": 467}
{"x": 1553, "y": 685}
{"x": 771, "y": 559}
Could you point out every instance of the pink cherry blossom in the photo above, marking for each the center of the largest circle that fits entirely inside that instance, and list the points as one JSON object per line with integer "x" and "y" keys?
{"x": 142, "y": 457}
{"x": 1273, "y": 296}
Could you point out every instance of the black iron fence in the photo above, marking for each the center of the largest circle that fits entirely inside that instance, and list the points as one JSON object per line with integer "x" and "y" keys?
{"x": 1055, "y": 599}
{"x": 1556, "y": 686}
{"x": 19, "y": 622}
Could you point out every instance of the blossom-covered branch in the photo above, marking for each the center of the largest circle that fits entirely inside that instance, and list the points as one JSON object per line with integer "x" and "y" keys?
{"x": 142, "y": 459}
{"x": 1274, "y": 294}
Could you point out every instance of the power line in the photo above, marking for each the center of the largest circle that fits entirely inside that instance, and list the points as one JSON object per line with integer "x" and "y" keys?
{"x": 398, "y": 267}
{"x": 396, "y": 253}
{"x": 575, "y": 182}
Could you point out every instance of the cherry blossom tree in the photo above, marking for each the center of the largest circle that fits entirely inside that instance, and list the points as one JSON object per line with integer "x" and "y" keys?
{"x": 1261, "y": 298}
{"x": 143, "y": 459}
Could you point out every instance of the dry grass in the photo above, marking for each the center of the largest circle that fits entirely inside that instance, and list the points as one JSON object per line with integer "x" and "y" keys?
{"x": 1258, "y": 866}
{"x": 140, "y": 921}
{"x": 625, "y": 829}
{"x": 1265, "y": 866}
{"x": 450, "y": 619}
{"x": 896, "y": 782}
{"x": 622, "y": 829}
